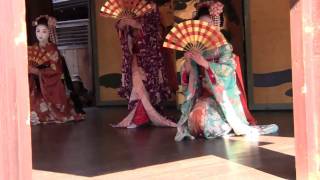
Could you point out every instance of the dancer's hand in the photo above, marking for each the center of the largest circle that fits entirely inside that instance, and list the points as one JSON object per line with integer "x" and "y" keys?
{"x": 131, "y": 22}
{"x": 198, "y": 58}
{"x": 188, "y": 55}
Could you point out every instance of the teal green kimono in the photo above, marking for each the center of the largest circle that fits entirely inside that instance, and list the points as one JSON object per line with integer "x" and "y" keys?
{"x": 223, "y": 109}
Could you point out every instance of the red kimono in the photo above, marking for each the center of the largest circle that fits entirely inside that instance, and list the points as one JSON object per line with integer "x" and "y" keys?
{"x": 49, "y": 101}
{"x": 243, "y": 97}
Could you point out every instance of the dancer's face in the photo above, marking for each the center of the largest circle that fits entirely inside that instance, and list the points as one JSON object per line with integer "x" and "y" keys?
{"x": 207, "y": 19}
{"x": 42, "y": 33}
{"x": 167, "y": 14}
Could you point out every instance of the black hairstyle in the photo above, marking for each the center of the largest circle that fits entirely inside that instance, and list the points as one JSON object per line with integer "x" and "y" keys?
{"x": 203, "y": 11}
{"x": 42, "y": 21}
{"x": 159, "y": 2}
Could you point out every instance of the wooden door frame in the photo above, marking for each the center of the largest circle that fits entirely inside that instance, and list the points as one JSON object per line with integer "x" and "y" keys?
{"x": 15, "y": 139}
{"x": 305, "y": 45}
{"x": 15, "y": 135}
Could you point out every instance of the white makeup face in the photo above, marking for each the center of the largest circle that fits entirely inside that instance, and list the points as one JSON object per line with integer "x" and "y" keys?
{"x": 42, "y": 33}
{"x": 207, "y": 19}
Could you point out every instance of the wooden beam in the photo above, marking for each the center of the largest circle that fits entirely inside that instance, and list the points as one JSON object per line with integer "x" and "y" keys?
{"x": 305, "y": 44}
{"x": 15, "y": 136}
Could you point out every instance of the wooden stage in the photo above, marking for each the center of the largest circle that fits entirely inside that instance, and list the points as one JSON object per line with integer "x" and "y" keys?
{"x": 92, "y": 149}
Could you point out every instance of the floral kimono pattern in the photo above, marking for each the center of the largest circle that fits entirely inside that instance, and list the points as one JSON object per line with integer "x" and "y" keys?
{"x": 144, "y": 80}
{"x": 213, "y": 107}
{"x": 150, "y": 59}
{"x": 49, "y": 101}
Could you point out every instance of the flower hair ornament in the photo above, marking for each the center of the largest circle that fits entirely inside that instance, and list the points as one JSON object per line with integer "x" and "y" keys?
{"x": 52, "y": 23}
{"x": 215, "y": 10}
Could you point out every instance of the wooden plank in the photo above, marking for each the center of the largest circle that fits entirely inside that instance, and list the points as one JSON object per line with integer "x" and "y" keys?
{"x": 305, "y": 65}
{"x": 15, "y": 144}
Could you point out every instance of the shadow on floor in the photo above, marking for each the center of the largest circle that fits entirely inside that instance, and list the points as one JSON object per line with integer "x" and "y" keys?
{"x": 92, "y": 147}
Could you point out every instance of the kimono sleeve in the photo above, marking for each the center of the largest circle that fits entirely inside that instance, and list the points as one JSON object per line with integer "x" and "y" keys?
{"x": 226, "y": 65}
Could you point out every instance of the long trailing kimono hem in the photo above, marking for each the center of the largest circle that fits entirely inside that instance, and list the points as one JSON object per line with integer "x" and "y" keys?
{"x": 140, "y": 94}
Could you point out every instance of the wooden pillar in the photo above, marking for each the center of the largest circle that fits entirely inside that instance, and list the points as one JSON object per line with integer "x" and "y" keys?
{"x": 15, "y": 137}
{"x": 305, "y": 37}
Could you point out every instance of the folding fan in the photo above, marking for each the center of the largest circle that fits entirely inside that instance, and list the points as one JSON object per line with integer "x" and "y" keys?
{"x": 37, "y": 56}
{"x": 194, "y": 35}
{"x": 120, "y": 9}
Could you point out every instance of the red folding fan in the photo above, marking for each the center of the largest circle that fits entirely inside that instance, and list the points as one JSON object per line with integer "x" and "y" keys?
{"x": 37, "y": 56}
{"x": 120, "y": 9}
{"x": 194, "y": 35}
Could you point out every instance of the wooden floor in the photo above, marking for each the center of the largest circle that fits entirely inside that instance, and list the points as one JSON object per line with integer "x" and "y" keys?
{"x": 92, "y": 149}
